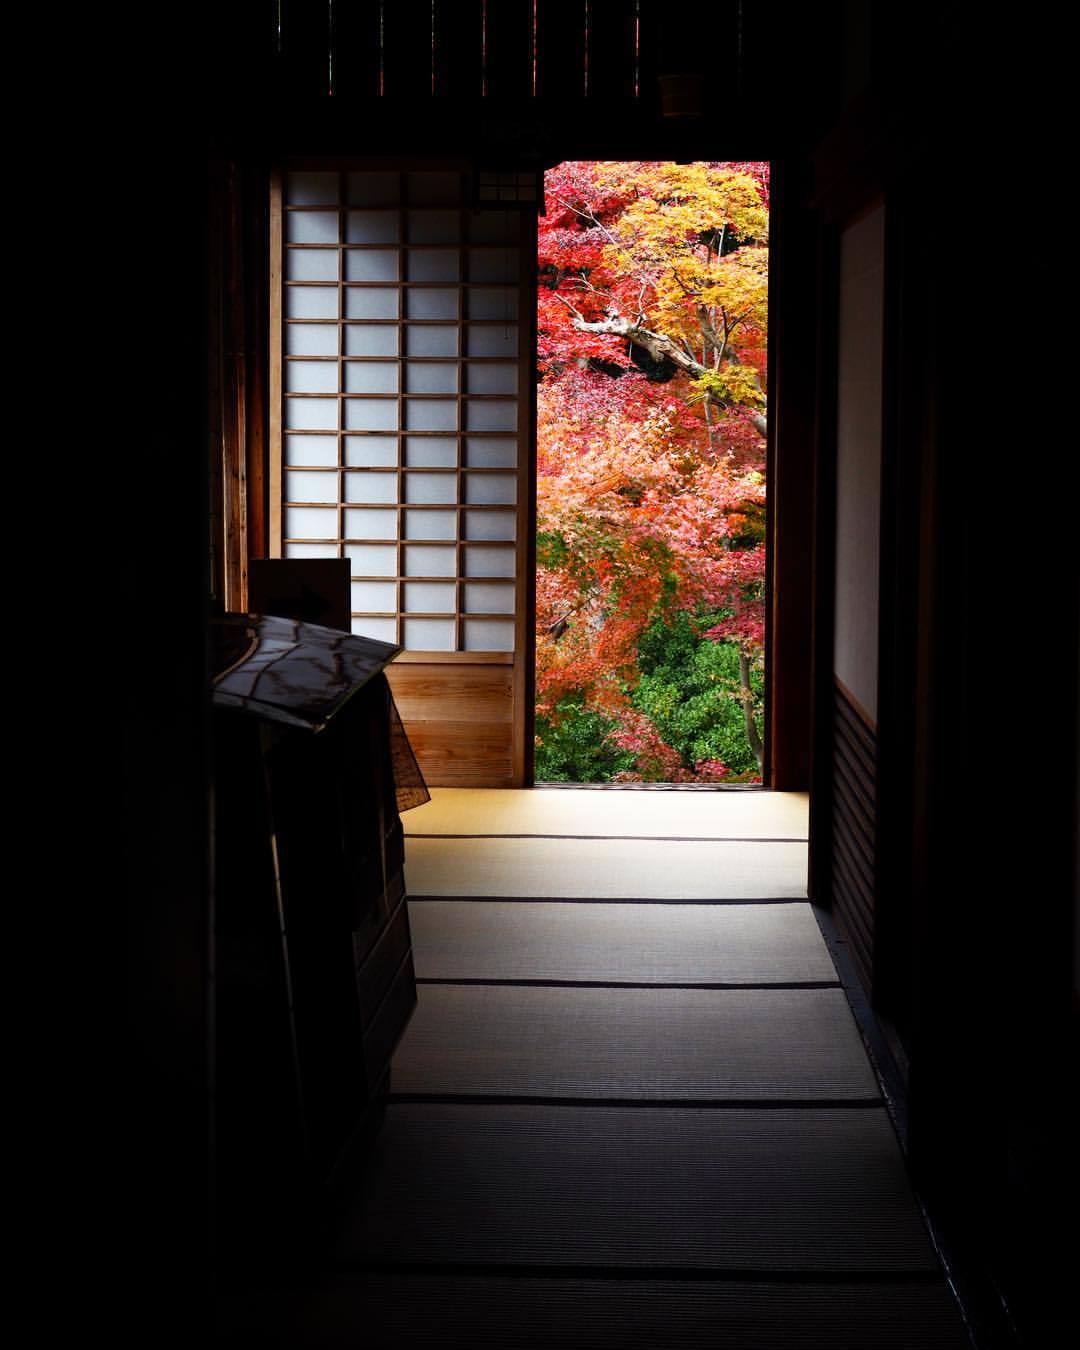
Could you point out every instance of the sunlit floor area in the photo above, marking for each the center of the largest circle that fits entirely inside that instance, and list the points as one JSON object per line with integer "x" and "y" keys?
{"x": 632, "y": 1107}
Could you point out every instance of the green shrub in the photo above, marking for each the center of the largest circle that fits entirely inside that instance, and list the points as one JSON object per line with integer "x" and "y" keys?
{"x": 689, "y": 690}
{"x": 572, "y": 746}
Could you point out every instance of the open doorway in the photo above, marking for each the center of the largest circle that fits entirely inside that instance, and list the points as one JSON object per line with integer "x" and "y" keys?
{"x": 652, "y": 310}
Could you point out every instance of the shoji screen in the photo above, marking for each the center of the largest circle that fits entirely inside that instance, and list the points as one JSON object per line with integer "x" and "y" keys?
{"x": 401, "y": 418}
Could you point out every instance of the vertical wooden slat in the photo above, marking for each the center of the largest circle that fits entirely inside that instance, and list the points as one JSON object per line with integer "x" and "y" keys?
{"x": 255, "y": 208}
{"x": 853, "y": 879}
{"x": 524, "y": 677}
{"x": 276, "y": 360}
{"x": 215, "y": 457}
{"x": 356, "y": 48}
{"x": 459, "y": 42}
{"x": 234, "y": 395}
{"x": 649, "y": 23}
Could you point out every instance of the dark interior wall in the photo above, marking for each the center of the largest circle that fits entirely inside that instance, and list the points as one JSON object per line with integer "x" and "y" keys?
{"x": 976, "y": 885}
{"x": 979, "y": 653}
{"x": 860, "y": 330}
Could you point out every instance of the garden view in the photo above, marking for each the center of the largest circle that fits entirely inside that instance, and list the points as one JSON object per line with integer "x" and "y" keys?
{"x": 650, "y": 596}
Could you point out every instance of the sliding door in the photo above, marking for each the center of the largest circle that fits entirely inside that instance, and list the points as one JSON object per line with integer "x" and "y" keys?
{"x": 401, "y": 419}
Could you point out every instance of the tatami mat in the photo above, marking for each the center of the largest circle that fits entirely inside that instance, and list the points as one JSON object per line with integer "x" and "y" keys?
{"x": 605, "y": 869}
{"x": 612, "y": 812}
{"x": 631, "y": 944}
{"x": 421, "y": 1311}
{"x": 653, "y": 1188}
{"x": 649, "y": 1044}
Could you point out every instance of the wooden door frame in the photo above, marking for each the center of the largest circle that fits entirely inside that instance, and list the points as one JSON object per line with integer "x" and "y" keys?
{"x": 793, "y": 475}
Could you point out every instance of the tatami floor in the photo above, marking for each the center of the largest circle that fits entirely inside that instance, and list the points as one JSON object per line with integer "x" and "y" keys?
{"x": 632, "y": 1107}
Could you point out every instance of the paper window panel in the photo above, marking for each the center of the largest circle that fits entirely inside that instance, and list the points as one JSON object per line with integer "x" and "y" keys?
{"x": 372, "y": 264}
{"x": 430, "y": 489}
{"x": 434, "y": 227}
{"x": 371, "y": 414}
{"x": 311, "y": 487}
{"x": 311, "y": 302}
{"x": 371, "y": 452}
{"x": 382, "y": 630}
{"x": 494, "y": 227}
{"x": 371, "y": 339}
{"x": 485, "y": 525}
{"x": 372, "y": 560}
{"x": 488, "y": 561}
{"x": 431, "y": 414}
{"x": 500, "y": 378}
{"x": 372, "y": 189}
{"x": 376, "y": 488}
{"x": 431, "y": 452}
{"x": 430, "y": 597}
{"x": 423, "y": 302}
{"x": 431, "y": 377}
{"x": 371, "y": 302}
{"x": 311, "y": 377}
{"x": 361, "y": 523}
{"x": 311, "y": 264}
{"x": 311, "y": 339}
{"x": 311, "y": 451}
{"x": 371, "y": 377}
{"x": 498, "y": 415}
{"x": 311, "y": 522}
{"x": 372, "y": 227}
{"x": 491, "y": 489}
{"x": 488, "y": 635}
{"x": 434, "y": 264}
{"x": 484, "y": 597}
{"x": 429, "y": 635}
{"x": 493, "y": 264}
{"x": 493, "y": 340}
{"x": 493, "y": 302}
{"x": 294, "y": 550}
{"x": 431, "y": 524}
{"x": 436, "y": 340}
{"x": 311, "y": 189}
{"x": 397, "y": 454}
{"x": 491, "y": 452}
{"x": 312, "y": 227}
{"x": 311, "y": 414}
{"x": 378, "y": 597}
{"x": 430, "y": 560}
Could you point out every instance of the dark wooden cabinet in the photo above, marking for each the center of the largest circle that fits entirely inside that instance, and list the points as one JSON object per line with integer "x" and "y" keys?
{"x": 313, "y": 957}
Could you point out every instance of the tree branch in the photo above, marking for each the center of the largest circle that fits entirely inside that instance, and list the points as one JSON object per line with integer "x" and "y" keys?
{"x": 658, "y": 345}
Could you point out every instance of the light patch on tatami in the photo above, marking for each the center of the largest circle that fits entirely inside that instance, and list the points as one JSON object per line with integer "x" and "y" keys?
{"x": 615, "y": 813}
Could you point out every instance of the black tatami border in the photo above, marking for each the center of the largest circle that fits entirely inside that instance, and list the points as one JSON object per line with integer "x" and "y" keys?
{"x": 609, "y": 900}
{"x": 624, "y": 838}
{"x": 633, "y": 984}
{"x": 702, "y": 1274}
{"x": 486, "y": 1099}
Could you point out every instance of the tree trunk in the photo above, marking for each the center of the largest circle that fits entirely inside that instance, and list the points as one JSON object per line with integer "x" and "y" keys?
{"x": 659, "y": 347}
{"x": 752, "y": 737}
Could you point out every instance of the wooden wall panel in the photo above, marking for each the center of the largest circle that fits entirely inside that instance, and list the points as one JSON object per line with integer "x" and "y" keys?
{"x": 854, "y": 828}
{"x": 457, "y": 718}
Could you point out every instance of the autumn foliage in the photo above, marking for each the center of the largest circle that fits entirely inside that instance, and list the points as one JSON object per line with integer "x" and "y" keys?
{"x": 651, "y": 419}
